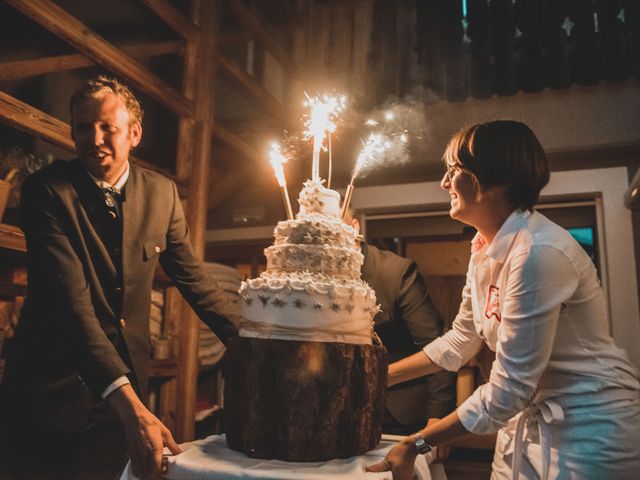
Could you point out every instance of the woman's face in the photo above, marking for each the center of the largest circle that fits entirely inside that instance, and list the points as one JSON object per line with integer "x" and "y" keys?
{"x": 463, "y": 191}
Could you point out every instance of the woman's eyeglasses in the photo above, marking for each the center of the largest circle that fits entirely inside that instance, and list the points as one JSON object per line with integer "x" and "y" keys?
{"x": 451, "y": 172}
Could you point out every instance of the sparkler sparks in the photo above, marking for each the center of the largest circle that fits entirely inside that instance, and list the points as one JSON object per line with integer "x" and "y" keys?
{"x": 320, "y": 122}
{"x": 277, "y": 160}
{"x": 373, "y": 148}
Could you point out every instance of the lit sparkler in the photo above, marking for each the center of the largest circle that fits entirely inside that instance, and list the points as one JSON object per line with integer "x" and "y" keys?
{"x": 375, "y": 145}
{"x": 277, "y": 160}
{"x": 320, "y": 121}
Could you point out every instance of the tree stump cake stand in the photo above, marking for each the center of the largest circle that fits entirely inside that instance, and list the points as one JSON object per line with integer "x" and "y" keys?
{"x": 303, "y": 401}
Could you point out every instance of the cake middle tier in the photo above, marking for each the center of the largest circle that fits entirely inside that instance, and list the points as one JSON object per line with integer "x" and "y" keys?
{"x": 334, "y": 261}
{"x": 315, "y": 230}
{"x": 305, "y": 306}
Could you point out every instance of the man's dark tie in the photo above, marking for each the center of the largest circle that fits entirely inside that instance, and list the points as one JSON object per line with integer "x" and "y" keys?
{"x": 113, "y": 199}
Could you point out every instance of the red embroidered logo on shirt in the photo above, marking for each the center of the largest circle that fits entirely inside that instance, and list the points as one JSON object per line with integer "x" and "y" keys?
{"x": 492, "y": 308}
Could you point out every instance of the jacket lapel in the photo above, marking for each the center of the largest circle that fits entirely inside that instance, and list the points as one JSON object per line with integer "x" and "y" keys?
{"x": 132, "y": 213}
{"x": 89, "y": 219}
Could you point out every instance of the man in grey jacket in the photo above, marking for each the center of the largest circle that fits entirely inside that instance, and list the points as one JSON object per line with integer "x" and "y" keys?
{"x": 77, "y": 369}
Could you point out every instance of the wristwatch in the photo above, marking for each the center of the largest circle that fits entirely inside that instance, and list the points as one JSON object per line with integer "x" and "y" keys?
{"x": 421, "y": 446}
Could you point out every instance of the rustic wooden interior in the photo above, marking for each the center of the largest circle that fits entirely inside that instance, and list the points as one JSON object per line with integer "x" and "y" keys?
{"x": 189, "y": 62}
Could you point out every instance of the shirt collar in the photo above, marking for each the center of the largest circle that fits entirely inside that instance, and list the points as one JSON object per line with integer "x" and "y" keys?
{"x": 499, "y": 246}
{"x": 118, "y": 186}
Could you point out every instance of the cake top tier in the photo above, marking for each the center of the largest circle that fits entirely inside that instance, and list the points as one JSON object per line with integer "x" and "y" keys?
{"x": 316, "y": 199}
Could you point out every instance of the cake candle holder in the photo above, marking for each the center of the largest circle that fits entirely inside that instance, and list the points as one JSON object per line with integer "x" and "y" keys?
{"x": 287, "y": 201}
{"x": 347, "y": 201}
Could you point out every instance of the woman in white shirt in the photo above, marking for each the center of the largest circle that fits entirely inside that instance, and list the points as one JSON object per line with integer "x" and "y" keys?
{"x": 564, "y": 399}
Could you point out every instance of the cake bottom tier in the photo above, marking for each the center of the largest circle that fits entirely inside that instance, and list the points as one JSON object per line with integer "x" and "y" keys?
{"x": 303, "y": 401}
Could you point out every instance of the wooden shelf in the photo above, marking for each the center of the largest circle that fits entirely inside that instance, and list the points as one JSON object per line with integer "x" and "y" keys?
{"x": 12, "y": 238}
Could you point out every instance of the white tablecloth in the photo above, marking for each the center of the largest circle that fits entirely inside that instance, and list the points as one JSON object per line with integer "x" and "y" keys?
{"x": 211, "y": 459}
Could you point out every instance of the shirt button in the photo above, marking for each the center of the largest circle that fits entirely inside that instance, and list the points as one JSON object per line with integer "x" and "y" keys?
{"x": 157, "y": 249}
{"x": 118, "y": 289}
{"x": 123, "y": 322}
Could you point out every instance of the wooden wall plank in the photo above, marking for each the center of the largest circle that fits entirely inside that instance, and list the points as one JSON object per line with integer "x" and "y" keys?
{"x": 254, "y": 88}
{"x": 251, "y": 23}
{"x": 39, "y": 66}
{"x": 186, "y": 126}
{"x": 224, "y": 187}
{"x": 228, "y": 137}
{"x": 196, "y": 214}
{"x": 174, "y": 19}
{"x": 480, "y": 69}
{"x": 184, "y": 148}
{"x": 28, "y": 119}
{"x": 64, "y": 25}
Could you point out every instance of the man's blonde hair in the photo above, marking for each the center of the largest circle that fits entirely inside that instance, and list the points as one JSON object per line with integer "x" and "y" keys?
{"x": 101, "y": 84}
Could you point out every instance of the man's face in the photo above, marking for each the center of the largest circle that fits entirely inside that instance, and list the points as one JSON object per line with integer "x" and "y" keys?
{"x": 103, "y": 135}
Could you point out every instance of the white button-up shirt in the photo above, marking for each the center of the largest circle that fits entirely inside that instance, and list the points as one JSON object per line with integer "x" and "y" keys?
{"x": 533, "y": 296}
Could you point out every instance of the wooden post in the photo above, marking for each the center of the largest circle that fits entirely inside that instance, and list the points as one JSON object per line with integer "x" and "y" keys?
{"x": 205, "y": 16}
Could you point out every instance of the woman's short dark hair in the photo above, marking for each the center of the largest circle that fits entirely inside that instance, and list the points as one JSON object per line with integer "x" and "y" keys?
{"x": 502, "y": 153}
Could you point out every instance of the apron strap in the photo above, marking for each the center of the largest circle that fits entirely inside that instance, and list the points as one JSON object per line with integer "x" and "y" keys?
{"x": 546, "y": 412}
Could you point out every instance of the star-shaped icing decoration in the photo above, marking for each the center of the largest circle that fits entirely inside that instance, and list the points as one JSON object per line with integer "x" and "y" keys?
{"x": 335, "y": 307}
{"x": 298, "y": 303}
{"x": 264, "y": 299}
{"x": 278, "y": 303}
{"x": 317, "y": 306}
{"x": 349, "y": 307}
{"x": 248, "y": 301}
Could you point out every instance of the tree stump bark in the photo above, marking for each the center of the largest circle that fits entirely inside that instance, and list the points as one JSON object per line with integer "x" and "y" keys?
{"x": 303, "y": 401}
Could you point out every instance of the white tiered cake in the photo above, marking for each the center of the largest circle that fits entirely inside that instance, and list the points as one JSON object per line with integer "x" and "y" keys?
{"x": 304, "y": 382}
{"x": 312, "y": 288}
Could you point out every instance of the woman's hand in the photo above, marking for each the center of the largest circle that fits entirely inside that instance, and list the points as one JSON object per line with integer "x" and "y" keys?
{"x": 399, "y": 461}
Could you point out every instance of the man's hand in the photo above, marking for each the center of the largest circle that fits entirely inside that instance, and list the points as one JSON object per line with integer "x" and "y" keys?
{"x": 399, "y": 461}
{"x": 146, "y": 435}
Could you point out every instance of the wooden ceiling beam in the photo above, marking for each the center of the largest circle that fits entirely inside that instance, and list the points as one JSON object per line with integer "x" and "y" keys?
{"x": 224, "y": 186}
{"x": 251, "y": 23}
{"x": 234, "y": 38}
{"x": 174, "y": 19}
{"x": 58, "y": 21}
{"x": 230, "y": 183}
{"x": 234, "y": 141}
{"x": 254, "y": 88}
{"x": 40, "y": 66}
{"x": 28, "y": 119}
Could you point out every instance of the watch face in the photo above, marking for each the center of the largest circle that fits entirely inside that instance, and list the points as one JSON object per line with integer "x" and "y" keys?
{"x": 421, "y": 446}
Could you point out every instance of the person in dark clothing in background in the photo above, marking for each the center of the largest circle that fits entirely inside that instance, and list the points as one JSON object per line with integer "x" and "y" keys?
{"x": 408, "y": 320}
